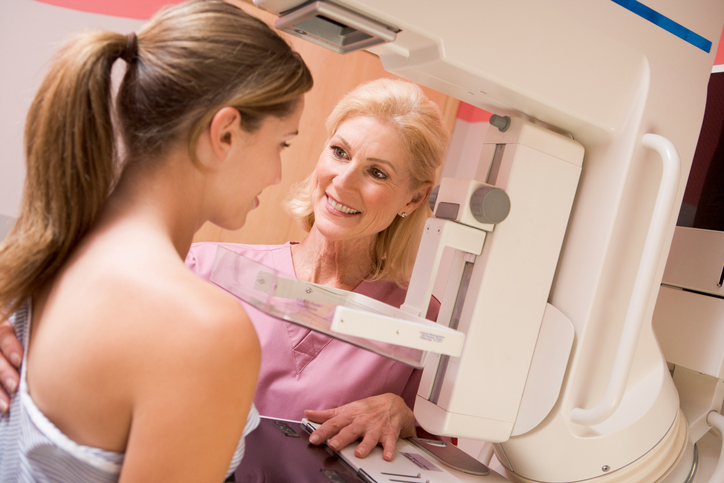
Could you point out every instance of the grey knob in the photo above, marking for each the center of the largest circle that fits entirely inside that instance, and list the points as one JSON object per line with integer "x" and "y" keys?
{"x": 489, "y": 204}
{"x": 501, "y": 122}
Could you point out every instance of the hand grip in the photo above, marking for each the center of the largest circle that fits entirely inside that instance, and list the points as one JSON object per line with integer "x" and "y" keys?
{"x": 669, "y": 184}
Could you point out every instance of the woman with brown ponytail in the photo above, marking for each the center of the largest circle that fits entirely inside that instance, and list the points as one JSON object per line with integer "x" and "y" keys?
{"x": 134, "y": 368}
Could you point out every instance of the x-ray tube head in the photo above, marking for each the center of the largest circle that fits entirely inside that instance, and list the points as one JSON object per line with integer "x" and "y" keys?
{"x": 334, "y": 27}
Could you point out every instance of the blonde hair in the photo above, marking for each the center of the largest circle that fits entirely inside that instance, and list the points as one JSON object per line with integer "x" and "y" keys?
{"x": 189, "y": 61}
{"x": 425, "y": 138}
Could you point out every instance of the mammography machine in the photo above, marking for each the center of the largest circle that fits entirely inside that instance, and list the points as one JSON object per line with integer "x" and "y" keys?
{"x": 560, "y": 239}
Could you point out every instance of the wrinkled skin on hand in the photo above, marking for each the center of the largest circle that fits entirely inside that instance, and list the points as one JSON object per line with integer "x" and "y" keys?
{"x": 11, "y": 354}
{"x": 376, "y": 420}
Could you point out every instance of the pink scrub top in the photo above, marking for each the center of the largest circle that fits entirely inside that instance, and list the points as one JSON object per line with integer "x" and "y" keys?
{"x": 301, "y": 369}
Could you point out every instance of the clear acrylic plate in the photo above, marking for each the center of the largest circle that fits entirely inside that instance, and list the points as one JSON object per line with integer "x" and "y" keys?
{"x": 303, "y": 303}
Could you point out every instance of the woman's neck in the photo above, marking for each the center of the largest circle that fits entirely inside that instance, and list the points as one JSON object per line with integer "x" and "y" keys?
{"x": 339, "y": 264}
{"x": 148, "y": 201}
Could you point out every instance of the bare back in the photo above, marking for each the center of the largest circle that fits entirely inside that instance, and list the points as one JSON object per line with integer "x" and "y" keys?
{"x": 128, "y": 347}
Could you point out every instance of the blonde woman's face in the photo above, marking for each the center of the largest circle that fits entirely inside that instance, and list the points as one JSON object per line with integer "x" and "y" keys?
{"x": 363, "y": 180}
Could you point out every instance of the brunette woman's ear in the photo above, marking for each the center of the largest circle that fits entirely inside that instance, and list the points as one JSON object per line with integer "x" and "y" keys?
{"x": 223, "y": 130}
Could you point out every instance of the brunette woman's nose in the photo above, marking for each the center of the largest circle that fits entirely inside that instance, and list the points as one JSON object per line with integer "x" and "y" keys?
{"x": 277, "y": 173}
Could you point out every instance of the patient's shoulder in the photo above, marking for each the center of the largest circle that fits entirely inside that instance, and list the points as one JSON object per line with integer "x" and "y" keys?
{"x": 177, "y": 316}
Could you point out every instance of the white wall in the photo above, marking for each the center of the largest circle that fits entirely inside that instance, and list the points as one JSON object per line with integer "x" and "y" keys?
{"x": 6, "y": 222}
{"x": 29, "y": 34}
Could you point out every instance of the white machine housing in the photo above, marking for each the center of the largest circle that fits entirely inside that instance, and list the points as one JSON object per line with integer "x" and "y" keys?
{"x": 507, "y": 288}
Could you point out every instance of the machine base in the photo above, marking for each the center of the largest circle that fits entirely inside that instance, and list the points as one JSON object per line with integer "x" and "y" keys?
{"x": 672, "y": 457}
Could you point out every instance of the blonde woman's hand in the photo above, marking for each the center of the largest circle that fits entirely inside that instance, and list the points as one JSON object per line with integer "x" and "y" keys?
{"x": 375, "y": 420}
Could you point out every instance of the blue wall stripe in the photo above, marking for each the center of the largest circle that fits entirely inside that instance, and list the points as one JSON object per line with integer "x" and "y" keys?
{"x": 665, "y": 23}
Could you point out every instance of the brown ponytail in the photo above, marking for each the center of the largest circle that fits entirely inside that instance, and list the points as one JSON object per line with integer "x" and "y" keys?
{"x": 69, "y": 150}
{"x": 188, "y": 62}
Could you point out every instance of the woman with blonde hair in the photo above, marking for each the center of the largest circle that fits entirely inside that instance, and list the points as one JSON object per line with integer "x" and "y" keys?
{"x": 403, "y": 108}
{"x": 134, "y": 368}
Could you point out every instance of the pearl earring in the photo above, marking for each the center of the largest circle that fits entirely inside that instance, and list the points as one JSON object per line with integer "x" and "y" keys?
{"x": 403, "y": 214}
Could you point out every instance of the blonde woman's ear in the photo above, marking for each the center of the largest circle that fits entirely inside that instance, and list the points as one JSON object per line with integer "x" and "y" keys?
{"x": 418, "y": 198}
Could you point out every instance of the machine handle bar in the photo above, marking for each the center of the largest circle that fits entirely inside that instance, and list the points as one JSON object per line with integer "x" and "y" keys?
{"x": 668, "y": 187}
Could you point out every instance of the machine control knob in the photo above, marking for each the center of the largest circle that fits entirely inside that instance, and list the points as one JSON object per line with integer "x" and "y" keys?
{"x": 489, "y": 204}
{"x": 501, "y": 122}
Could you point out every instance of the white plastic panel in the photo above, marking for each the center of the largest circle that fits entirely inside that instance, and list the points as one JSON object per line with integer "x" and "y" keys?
{"x": 547, "y": 369}
{"x": 696, "y": 260}
{"x": 690, "y": 329}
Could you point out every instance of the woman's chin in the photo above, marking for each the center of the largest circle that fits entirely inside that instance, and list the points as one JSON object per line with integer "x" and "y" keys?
{"x": 235, "y": 223}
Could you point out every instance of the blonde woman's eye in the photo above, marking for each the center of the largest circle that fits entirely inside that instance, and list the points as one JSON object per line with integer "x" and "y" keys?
{"x": 377, "y": 173}
{"x": 338, "y": 152}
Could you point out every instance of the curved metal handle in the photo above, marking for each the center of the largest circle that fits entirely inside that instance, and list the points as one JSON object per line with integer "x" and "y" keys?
{"x": 670, "y": 175}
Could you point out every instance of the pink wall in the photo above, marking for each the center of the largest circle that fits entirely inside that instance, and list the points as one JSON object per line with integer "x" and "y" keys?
{"x": 139, "y": 9}
{"x": 719, "y": 60}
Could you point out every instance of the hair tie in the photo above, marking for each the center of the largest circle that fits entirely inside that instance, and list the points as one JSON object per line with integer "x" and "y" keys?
{"x": 131, "y": 50}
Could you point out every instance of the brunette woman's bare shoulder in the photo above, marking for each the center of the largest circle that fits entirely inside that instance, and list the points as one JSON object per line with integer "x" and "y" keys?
{"x": 195, "y": 384}
{"x": 194, "y": 311}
